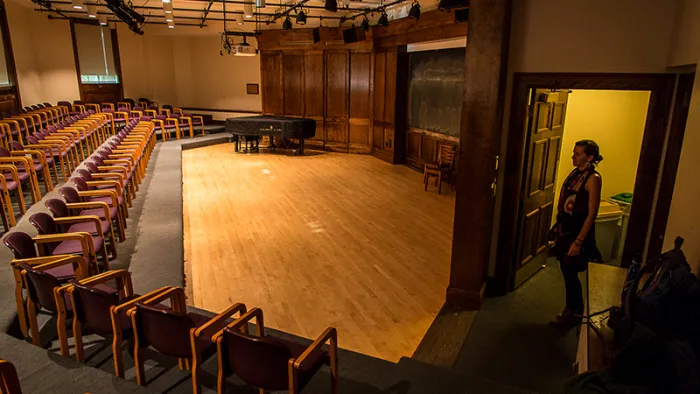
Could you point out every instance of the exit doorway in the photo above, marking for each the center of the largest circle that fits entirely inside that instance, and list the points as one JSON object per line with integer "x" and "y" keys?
{"x": 628, "y": 116}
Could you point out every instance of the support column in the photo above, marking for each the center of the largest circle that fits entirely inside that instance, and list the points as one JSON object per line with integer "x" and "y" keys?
{"x": 482, "y": 111}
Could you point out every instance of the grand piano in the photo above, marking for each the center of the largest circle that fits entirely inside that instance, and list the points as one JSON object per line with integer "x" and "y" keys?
{"x": 281, "y": 127}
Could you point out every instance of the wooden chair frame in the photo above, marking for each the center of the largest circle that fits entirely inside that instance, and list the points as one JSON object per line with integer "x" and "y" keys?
{"x": 443, "y": 168}
{"x": 9, "y": 380}
{"x": 176, "y": 296}
{"x": 330, "y": 334}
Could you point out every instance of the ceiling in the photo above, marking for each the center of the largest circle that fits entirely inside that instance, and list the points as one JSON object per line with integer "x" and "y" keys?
{"x": 190, "y": 15}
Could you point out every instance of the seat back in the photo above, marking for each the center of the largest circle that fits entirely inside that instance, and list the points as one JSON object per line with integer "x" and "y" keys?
{"x": 85, "y": 174}
{"x": 16, "y": 145}
{"x": 446, "y": 156}
{"x": 92, "y": 167}
{"x": 259, "y": 361}
{"x": 80, "y": 183}
{"x": 92, "y": 307}
{"x": 44, "y": 224}
{"x": 21, "y": 245}
{"x": 97, "y": 160}
{"x": 58, "y": 208}
{"x": 167, "y": 331}
{"x": 40, "y": 286}
{"x": 4, "y": 152}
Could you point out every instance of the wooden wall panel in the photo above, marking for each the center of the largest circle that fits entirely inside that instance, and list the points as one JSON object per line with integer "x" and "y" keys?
{"x": 360, "y": 140}
{"x": 313, "y": 84}
{"x": 271, "y": 80}
{"x": 378, "y": 93}
{"x": 293, "y": 81}
{"x": 336, "y": 84}
{"x": 336, "y": 132}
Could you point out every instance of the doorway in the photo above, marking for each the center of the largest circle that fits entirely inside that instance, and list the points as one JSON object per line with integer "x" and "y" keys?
{"x": 536, "y": 148}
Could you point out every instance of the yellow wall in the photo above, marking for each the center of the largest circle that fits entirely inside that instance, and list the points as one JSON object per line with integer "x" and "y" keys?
{"x": 613, "y": 119}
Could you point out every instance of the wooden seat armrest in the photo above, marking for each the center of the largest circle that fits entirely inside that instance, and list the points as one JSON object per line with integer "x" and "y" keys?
{"x": 101, "y": 193}
{"x": 39, "y": 154}
{"x": 17, "y": 159}
{"x": 91, "y": 205}
{"x": 122, "y": 278}
{"x": 118, "y": 161}
{"x": 32, "y": 261}
{"x": 128, "y": 306}
{"x": 12, "y": 169}
{"x": 116, "y": 184}
{"x": 220, "y": 318}
{"x": 176, "y": 295}
{"x": 81, "y": 219}
{"x": 128, "y": 157}
{"x": 80, "y": 274}
{"x": 242, "y": 322}
{"x": 124, "y": 115}
{"x": 108, "y": 175}
{"x": 121, "y": 169}
{"x": 329, "y": 334}
{"x": 151, "y": 112}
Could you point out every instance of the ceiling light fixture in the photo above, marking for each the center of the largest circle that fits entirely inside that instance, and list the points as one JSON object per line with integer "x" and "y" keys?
{"x": 287, "y": 24}
{"x": 92, "y": 11}
{"x": 168, "y": 8}
{"x": 259, "y": 3}
{"x": 169, "y": 17}
{"x": 331, "y": 5}
{"x": 365, "y": 24}
{"x": 383, "y": 20}
{"x": 301, "y": 18}
{"x": 171, "y": 25}
{"x": 103, "y": 20}
{"x": 166, "y": 1}
{"x": 248, "y": 10}
{"x": 78, "y": 4}
{"x": 239, "y": 19}
{"x": 415, "y": 10}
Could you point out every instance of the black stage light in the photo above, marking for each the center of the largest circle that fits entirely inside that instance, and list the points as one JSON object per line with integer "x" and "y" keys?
{"x": 287, "y": 24}
{"x": 383, "y": 20}
{"x": 415, "y": 11}
{"x": 301, "y": 18}
{"x": 331, "y": 5}
{"x": 365, "y": 24}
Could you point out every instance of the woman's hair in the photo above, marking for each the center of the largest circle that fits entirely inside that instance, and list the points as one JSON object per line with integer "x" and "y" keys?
{"x": 591, "y": 149}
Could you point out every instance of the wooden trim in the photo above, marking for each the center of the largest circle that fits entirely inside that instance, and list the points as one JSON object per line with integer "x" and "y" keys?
{"x": 679, "y": 119}
{"x": 115, "y": 52}
{"x": 433, "y": 134}
{"x": 243, "y": 111}
{"x": 9, "y": 54}
{"x": 661, "y": 87}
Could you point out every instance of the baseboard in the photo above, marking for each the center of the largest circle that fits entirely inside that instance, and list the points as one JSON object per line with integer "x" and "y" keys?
{"x": 471, "y": 300}
{"x": 202, "y": 143}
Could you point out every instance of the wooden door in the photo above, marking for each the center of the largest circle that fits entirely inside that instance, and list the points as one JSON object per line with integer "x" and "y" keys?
{"x": 360, "y": 103}
{"x": 336, "y": 126}
{"x": 271, "y": 75}
{"x": 538, "y": 195}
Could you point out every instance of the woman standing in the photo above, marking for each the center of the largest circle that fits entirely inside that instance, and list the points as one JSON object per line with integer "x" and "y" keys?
{"x": 574, "y": 231}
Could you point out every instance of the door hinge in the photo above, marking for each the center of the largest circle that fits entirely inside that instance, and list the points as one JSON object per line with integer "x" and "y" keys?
{"x": 494, "y": 186}
{"x": 530, "y": 110}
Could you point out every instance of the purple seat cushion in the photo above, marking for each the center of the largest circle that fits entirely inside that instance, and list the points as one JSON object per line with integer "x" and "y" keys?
{"x": 49, "y": 160}
{"x": 23, "y": 176}
{"x": 89, "y": 227}
{"x": 108, "y": 200}
{"x": 99, "y": 212}
{"x": 63, "y": 273}
{"x": 75, "y": 247}
{"x": 11, "y": 185}
{"x": 315, "y": 361}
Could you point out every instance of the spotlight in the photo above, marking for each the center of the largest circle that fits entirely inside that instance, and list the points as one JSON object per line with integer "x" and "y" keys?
{"x": 168, "y": 8}
{"x": 169, "y": 17}
{"x": 239, "y": 19}
{"x": 365, "y": 24}
{"x": 166, "y": 1}
{"x": 248, "y": 10}
{"x": 383, "y": 20}
{"x": 171, "y": 25}
{"x": 301, "y": 18}
{"x": 331, "y": 5}
{"x": 415, "y": 10}
{"x": 103, "y": 20}
{"x": 259, "y": 3}
{"x": 78, "y": 4}
{"x": 287, "y": 24}
{"x": 92, "y": 11}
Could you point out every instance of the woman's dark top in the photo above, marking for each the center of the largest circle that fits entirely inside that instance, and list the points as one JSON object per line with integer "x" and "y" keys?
{"x": 572, "y": 214}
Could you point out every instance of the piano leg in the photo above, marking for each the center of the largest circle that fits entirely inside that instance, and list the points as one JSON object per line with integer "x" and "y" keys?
{"x": 237, "y": 144}
{"x": 301, "y": 146}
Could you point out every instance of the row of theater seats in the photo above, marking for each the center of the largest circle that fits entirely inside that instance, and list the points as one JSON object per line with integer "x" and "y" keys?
{"x": 64, "y": 271}
{"x": 167, "y": 118}
{"x": 26, "y": 155}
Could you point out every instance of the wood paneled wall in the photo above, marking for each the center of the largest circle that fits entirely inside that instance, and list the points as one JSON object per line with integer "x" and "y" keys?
{"x": 355, "y": 92}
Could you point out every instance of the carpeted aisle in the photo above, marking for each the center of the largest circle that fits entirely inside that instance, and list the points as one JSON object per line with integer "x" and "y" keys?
{"x": 511, "y": 341}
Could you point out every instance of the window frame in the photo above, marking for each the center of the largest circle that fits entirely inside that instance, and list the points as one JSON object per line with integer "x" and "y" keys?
{"x": 115, "y": 50}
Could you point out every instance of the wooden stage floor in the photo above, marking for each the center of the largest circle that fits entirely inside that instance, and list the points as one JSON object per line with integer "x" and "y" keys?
{"x": 325, "y": 239}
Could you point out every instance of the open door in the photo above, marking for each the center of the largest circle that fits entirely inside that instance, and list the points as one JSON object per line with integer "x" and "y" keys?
{"x": 537, "y": 195}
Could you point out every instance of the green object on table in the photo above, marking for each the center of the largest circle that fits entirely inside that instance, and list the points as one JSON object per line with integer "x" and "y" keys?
{"x": 624, "y": 197}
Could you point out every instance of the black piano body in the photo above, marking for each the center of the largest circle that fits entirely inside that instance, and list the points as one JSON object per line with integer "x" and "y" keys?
{"x": 281, "y": 127}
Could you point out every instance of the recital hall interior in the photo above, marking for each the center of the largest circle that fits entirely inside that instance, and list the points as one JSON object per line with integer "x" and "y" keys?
{"x": 349, "y": 196}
